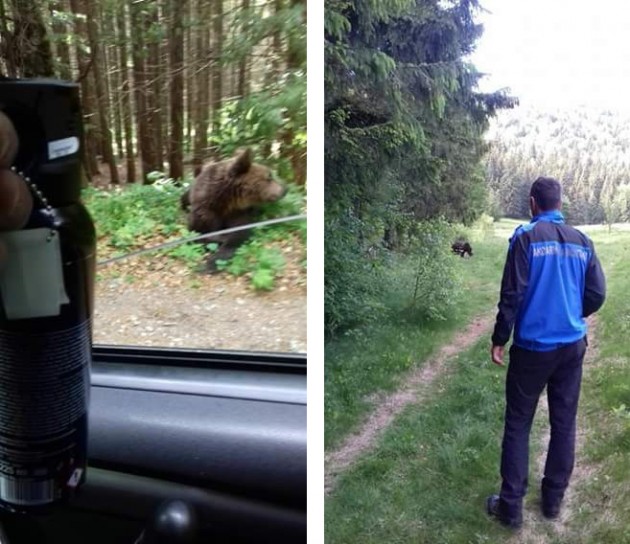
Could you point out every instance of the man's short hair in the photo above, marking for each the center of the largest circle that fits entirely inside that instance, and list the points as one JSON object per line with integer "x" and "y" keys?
{"x": 547, "y": 193}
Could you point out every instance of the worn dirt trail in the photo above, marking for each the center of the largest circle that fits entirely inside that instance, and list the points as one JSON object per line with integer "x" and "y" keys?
{"x": 414, "y": 390}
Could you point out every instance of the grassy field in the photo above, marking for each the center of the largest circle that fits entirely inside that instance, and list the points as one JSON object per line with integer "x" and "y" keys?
{"x": 604, "y": 498}
{"x": 428, "y": 476}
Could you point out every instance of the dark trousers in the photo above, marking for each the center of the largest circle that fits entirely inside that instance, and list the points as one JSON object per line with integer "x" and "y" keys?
{"x": 528, "y": 373}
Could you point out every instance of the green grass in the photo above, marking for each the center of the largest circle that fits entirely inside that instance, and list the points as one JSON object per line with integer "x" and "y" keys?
{"x": 427, "y": 480}
{"x": 372, "y": 360}
{"x": 604, "y": 513}
{"x": 430, "y": 472}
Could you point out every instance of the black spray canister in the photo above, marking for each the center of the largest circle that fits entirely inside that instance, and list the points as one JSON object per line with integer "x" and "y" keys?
{"x": 46, "y": 295}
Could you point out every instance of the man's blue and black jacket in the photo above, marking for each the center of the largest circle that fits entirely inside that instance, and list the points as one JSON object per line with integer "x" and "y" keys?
{"x": 552, "y": 280}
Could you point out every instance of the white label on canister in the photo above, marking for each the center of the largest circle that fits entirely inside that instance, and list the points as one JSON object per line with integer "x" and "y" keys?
{"x": 31, "y": 277}
{"x": 62, "y": 148}
{"x": 75, "y": 478}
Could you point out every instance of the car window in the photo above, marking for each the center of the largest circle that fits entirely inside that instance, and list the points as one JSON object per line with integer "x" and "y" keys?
{"x": 195, "y": 121}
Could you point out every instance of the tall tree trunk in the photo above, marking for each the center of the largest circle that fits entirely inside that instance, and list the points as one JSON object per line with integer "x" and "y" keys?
{"x": 116, "y": 104}
{"x": 7, "y": 49}
{"x": 243, "y": 76}
{"x": 147, "y": 151}
{"x": 90, "y": 139}
{"x": 63, "y": 48}
{"x": 189, "y": 69}
{"x": 97, "y": 67}
{"x": 202, "y": 87}
{"x": 125, "y": 93}
{"x": 217, "y": 75}
{"x": 277, "y": 51}
{"x": 295, "y": 62}
{"x": 164, "y": 81}
{"x": 153, "y": 86}
{"x": 277, "y": 54}
{"x": 112, "y": 79}
{"x": 176, "y": 54}
{"x": 30, "y": 40}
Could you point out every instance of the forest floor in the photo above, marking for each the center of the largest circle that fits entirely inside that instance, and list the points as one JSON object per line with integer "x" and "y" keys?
{"x": 425, "y": 477}
{"x": 154, "y": 301}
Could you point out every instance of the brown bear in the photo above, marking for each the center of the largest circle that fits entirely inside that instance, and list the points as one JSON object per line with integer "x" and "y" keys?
{"x": 461, "y": 247}
{"x": 226, "y": 194}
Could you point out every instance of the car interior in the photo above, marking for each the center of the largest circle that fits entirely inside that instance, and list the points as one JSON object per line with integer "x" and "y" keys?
{"x": 188, "y": 446}
{"x": 184, "y": 446}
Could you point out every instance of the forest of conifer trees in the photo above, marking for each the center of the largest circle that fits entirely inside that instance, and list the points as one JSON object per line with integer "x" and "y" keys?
{"x": 167, "y": 84}
{"x": 403, "y": 140}
{"x": 587, "y": 150}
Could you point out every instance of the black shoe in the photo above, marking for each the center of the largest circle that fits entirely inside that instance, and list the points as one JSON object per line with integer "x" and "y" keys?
{"x": 493, "y": 507}
{"x": 550, "y": 511}
{"x": 550, "y": 501}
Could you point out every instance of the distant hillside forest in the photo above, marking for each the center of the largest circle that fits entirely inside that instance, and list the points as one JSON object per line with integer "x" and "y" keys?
{"x": 588, "y": 151}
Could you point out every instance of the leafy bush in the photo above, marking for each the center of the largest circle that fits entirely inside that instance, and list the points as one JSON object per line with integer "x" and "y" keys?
{"x": 139, "y": 216}
{"x": 419, "y": 285}
{"x": 191, "y": 254}
{"x": 424, "y": 284}
{"x": 258, "y": 120}
{"x": 133, "y": 213}
{"x": 263, "y": 263}
{"x": 353, "y": 281}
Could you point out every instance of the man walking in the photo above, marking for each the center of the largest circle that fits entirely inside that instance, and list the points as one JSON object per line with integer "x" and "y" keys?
{"x": 552, "y": 280}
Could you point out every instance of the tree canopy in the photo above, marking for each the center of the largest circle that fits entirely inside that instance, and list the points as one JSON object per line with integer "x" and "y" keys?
{"x": 403, "y": 133}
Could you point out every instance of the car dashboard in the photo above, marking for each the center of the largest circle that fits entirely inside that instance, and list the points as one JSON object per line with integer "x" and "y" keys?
{"x": 222, "y": 431}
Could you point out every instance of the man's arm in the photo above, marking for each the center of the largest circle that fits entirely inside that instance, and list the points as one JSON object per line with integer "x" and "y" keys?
{"x": 513, "y": 287}
{"x": 594, "y": 287}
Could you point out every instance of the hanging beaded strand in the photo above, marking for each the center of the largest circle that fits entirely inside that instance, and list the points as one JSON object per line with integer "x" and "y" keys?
{"x": 48, "y": 209}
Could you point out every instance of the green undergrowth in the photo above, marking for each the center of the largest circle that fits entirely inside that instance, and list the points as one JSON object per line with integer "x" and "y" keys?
{"x": 140, "y": 216}
{"x": 130, "y": 217}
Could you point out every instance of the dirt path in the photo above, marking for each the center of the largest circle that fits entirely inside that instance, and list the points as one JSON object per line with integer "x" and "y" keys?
{"x": 414, "y": 390}
{"x": 154, "y": 303}
{"x": 536, "y": 529}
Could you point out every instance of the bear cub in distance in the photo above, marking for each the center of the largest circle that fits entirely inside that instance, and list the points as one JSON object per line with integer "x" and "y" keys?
{"x": 462, "y": 248}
